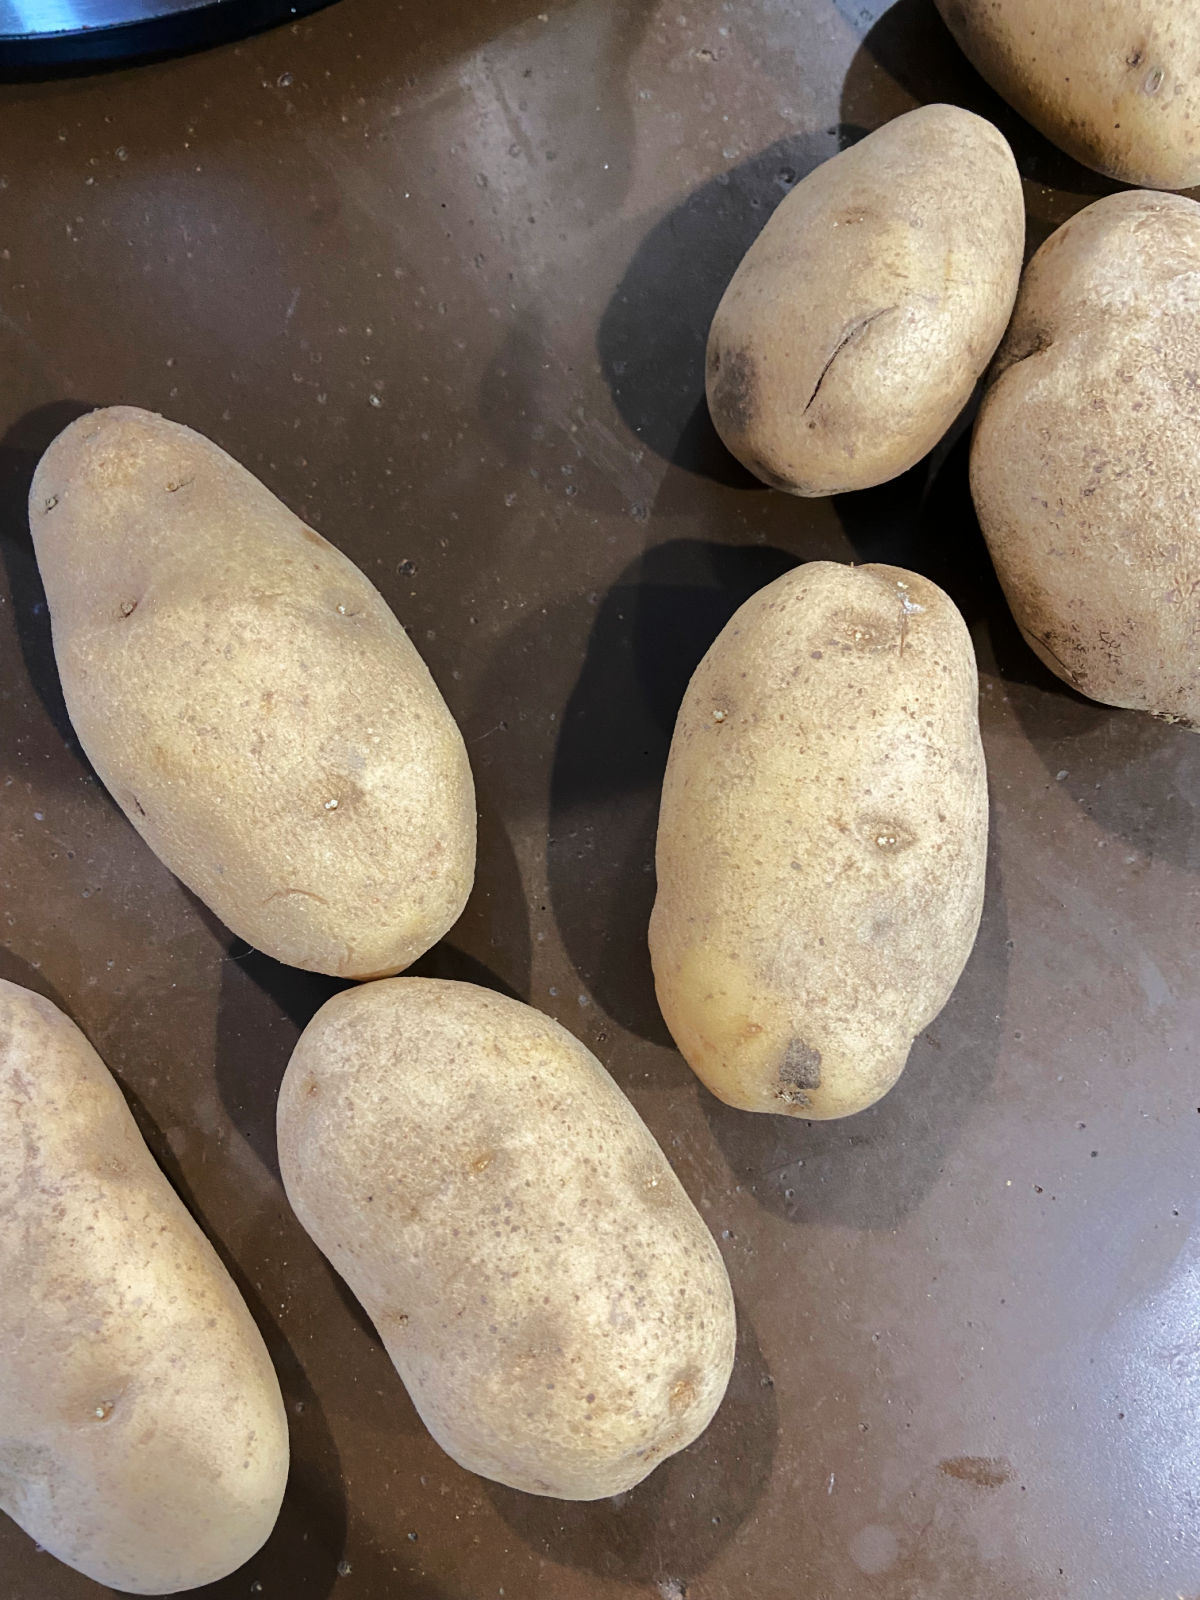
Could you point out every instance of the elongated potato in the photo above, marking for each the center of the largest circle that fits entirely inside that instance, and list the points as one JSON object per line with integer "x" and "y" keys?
{"x": 142, "y": 1434}
{"x": 822, "y": 839}
{"x": 548, "y": 1293}
{"x": 861, "y": 318}
{"x": 1085, "y": 465}
{"x": 249, "y": 700}
{"x": 1114, "y": 83}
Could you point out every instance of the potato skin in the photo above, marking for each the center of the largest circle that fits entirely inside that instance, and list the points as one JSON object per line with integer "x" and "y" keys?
{"x": 143, "y": 1439}
{"x": 249, "y": 700}
{"x": 1114, "y": 83}
{"x": 1085, "y": 464}
{"x": 861, "y": 318}
{"x": 822, "y": 839}
{"x": 550, "y": 1296}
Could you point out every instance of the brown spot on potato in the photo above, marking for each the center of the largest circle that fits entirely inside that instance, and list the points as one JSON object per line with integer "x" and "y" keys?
{"x": 128, "y": 607}
{"x": 482, "y": 1161}
{"x": 733, "y": 390}
{"x": 981, "y": 1472}
{"x": 683, "y": 1393}
{"x": 799, "y": 1072}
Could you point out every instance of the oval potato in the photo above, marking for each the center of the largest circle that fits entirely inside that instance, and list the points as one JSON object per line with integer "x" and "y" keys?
{"x": 249, "y": 700}
{"x": 1085, "y": 464}
{"x": 142, "y": 1435}
{"x": 550, "y": 1296}
{"x": 822, "y": 839}
{"x": 1114, "y": 83}
{"x": 861, "y": 318}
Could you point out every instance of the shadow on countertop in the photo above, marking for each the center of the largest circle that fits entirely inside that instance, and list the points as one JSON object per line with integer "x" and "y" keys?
{"x": 652, "y": 334}
{"x": 20, "y": 451}
{"x": 648, "y": 634}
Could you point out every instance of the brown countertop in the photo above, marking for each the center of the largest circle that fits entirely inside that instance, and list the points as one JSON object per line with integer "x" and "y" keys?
{"x": 440, "y": 273}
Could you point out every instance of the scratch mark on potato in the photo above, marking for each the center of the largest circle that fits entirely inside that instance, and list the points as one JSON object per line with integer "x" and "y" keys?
{"x": 308, "y": 893}
{"x": 849, "y": 335}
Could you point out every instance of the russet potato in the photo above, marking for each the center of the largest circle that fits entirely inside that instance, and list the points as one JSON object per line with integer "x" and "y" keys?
{"x": 553, "y": 1301}
{"x": 142, "y": 1435}
{"x": 249, "y": 700}
{"x": 821, "y": 840}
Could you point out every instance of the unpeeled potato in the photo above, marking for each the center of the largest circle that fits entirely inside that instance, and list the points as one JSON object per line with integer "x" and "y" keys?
{"x": 142, "y": 1435}
{"x": 547, "y": 1291}
{"x": 822, "y": 839}
{"x": 249, "y": 700}
{"x": 1114, "y": 83}
{"x": 1085, "y": 464}
{"x": 861, "y": 318}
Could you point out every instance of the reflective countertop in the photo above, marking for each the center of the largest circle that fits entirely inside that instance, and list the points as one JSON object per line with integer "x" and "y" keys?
{"x": 441, "y": 274}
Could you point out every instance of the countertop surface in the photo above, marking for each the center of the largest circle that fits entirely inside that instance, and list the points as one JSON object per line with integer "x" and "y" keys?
{"x": 441, "y": 275}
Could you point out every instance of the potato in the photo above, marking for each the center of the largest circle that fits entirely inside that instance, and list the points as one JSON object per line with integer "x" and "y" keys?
{"x": 142, "y": 1437}
{"x": 249, "y": 700}
{"x": 1114, "y": 84}
{"x": 822, "y": 839}
{"x": 1085, "y": 465}
{"x": 856, "y": 327}
{"x": 548, "y": 1293}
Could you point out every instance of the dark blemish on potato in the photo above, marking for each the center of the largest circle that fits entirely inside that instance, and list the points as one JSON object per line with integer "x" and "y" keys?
{"x": 50, "y": 503}
{"x": 128, "y": 607}
{"x": 176, "y": 484}
{"x": 683, "y": 1393}
{"x": 137, "y": 805}
{"x": 1136, "y": 56}
{"x": 982, "y": 1472}
{"x": 849, "y": 335}
{"x": 1035, "y": 343}
{"x": 733, "y": 387}
{"x": 799, "y": 1072}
